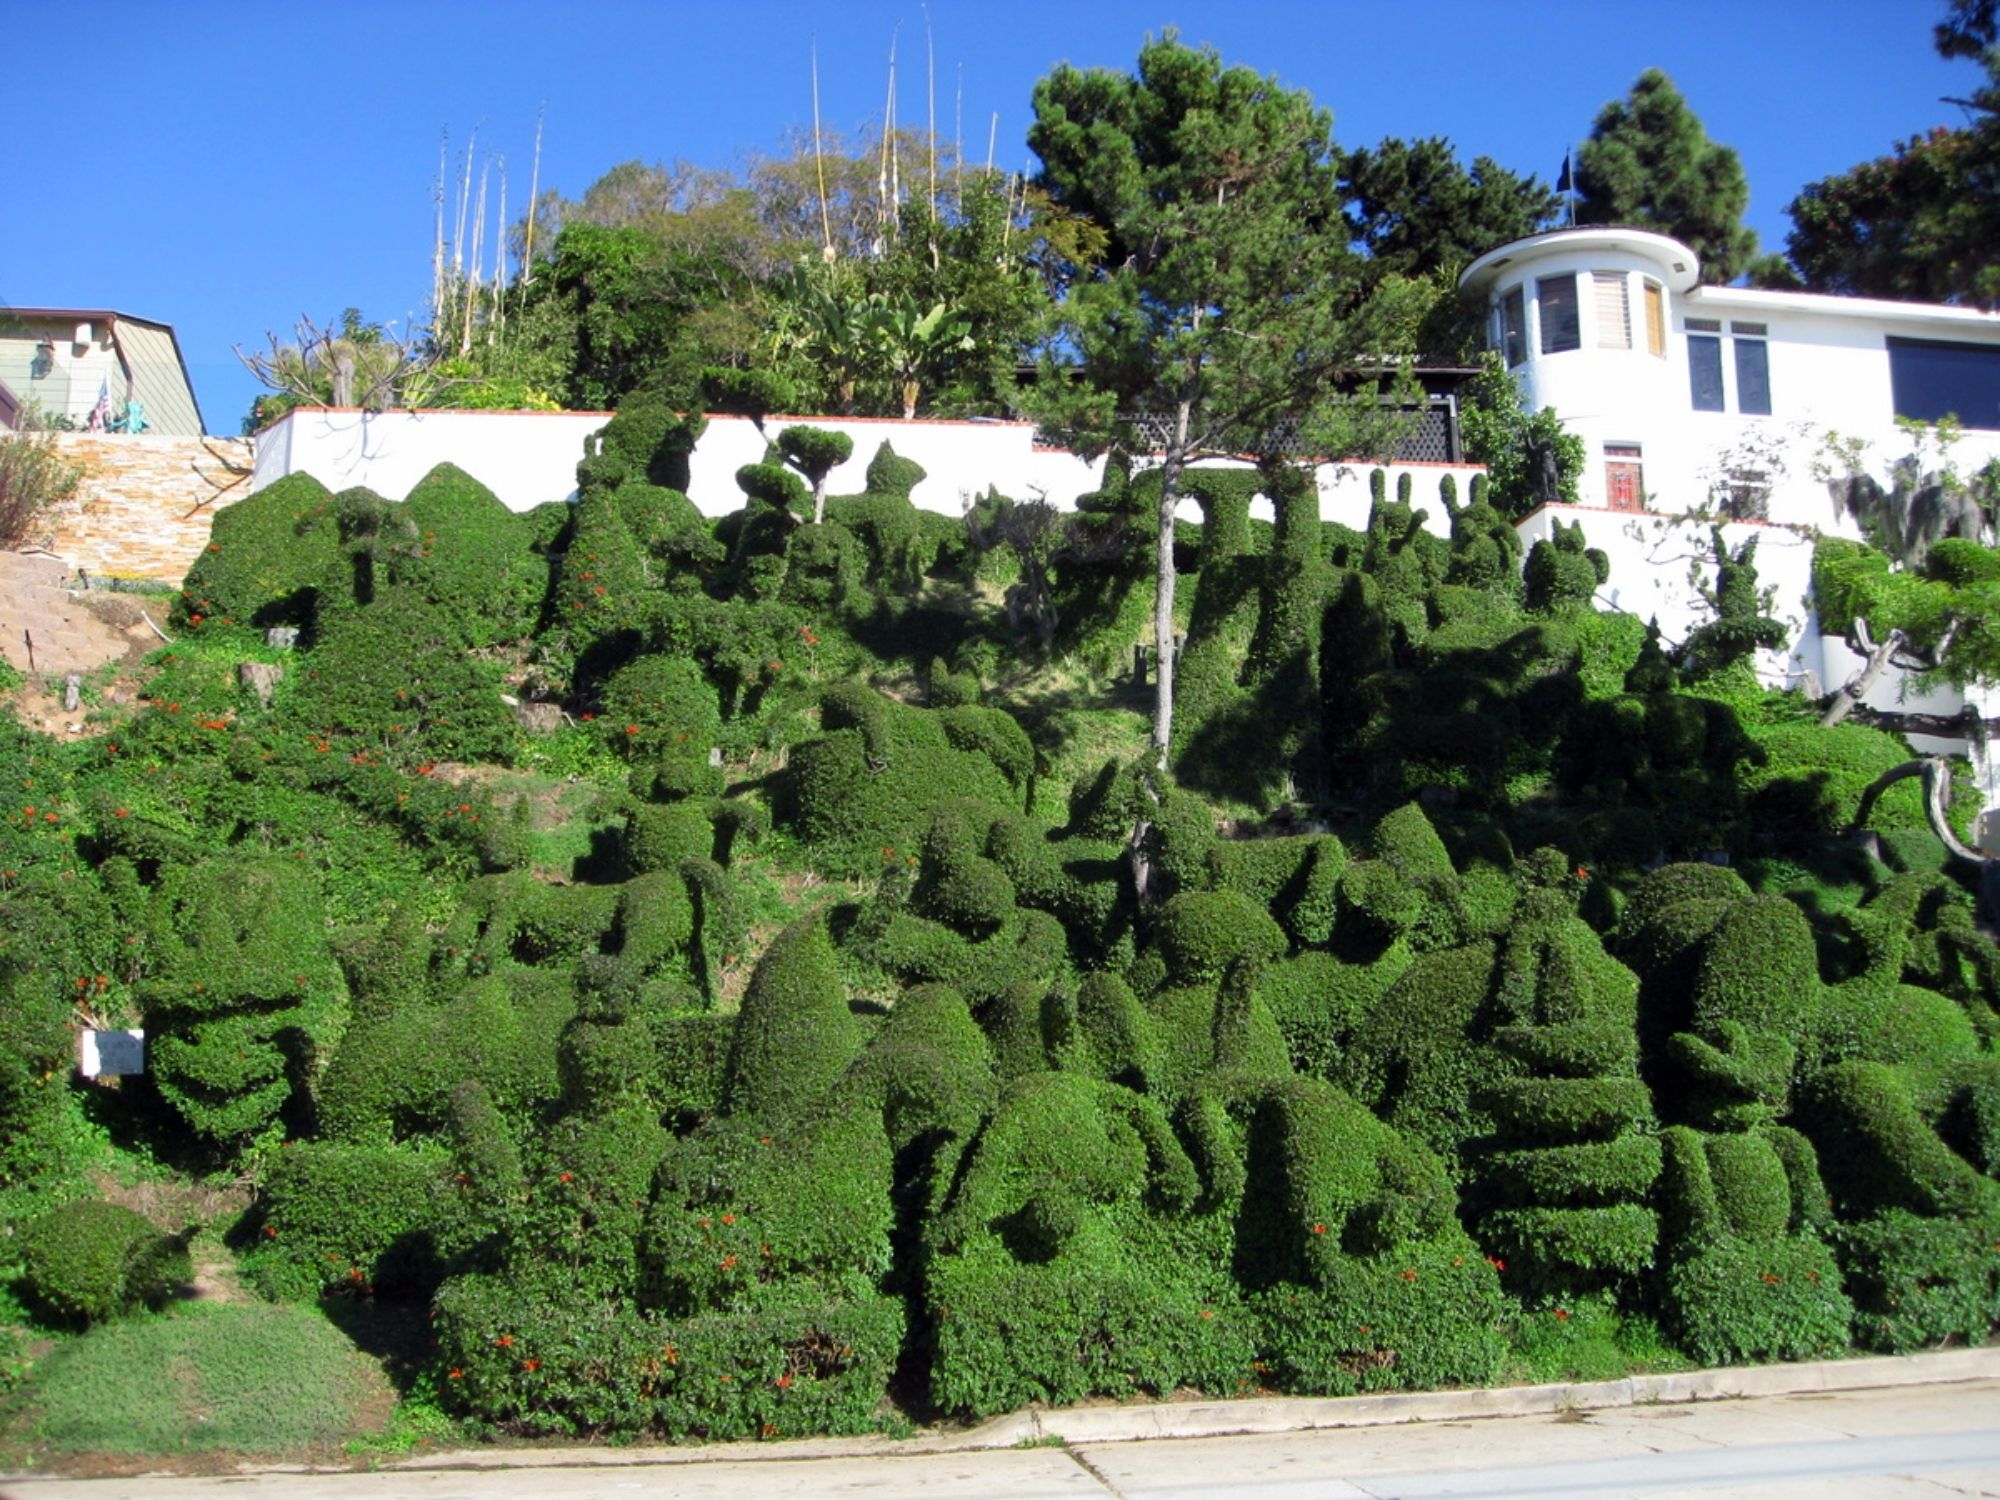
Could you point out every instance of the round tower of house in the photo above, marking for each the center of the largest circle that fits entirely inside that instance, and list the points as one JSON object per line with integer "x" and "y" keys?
{"x": 1582, "y": 318}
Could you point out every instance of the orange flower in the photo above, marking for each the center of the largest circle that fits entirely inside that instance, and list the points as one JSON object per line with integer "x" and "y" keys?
{"x": 458, "y": 1374}
{"x": 1319, "y": 1229}
{"x": 505, "y": 1341}
{"x": 564, "y": 1177}
{"x": 1496, "y": 1263}
{"x": 631, "y": 728}
{"x": 729, "y": 1218}
{"x": 270, "y": 1232}
{"x": 728, "y": 1262}
{"x": 531, "y": 1365}
{"x": 783, "y": 1382}
{"x": 1562, "y": 1315}
{"x": 1409, "y": 1275}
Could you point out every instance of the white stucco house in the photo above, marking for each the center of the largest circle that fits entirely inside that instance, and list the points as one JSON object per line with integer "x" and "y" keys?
{"x": 1699, "y": 404}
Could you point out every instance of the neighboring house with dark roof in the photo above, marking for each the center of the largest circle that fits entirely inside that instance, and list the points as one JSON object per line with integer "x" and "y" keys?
{"x": 91, "y": 366}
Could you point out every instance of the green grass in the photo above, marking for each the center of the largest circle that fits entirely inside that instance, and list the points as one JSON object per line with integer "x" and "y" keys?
{"x": 249, "y": 1378}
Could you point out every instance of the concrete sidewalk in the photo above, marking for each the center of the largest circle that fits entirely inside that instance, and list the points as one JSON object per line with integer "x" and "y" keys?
{"x": 1911, "y": 1439}
{"x": 1078, "y": 1425}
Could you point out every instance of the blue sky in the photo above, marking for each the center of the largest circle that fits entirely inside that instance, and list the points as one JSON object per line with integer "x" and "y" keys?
{"x": 227, "y": 167}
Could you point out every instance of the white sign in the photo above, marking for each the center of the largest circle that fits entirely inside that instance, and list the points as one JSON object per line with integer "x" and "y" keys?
{"x": 111, "y": 1054}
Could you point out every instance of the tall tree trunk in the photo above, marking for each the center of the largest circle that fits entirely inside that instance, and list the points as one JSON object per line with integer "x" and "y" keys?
{"x": 1163, "y": 653}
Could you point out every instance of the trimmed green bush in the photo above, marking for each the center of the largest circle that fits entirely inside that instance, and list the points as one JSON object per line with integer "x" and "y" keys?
{"x": 271, "y": 559}
{"x": 342, "y": 1218}
{"x": 795, "y": 1036}
{"x": 90, "y": 1260}
{"x": 469, "y": 557}
{"x": 1202, "y": 933}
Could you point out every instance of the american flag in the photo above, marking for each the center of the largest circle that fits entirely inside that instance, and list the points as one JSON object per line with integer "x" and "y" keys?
{"x": 101, "y": 412}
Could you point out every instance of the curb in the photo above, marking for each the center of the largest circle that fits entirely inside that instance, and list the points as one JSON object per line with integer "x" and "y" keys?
{"x": 1077, "y": 1426}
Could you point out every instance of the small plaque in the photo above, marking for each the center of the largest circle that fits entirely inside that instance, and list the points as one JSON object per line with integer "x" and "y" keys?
{"x": 112, "y": 1054}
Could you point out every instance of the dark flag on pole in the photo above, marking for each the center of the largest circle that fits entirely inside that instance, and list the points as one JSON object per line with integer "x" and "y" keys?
{"x": 1565, "y": 182}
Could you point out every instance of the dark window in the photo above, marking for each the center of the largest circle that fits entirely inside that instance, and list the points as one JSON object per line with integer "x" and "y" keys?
{"x": 1932, "y": 380}
{"x": 1557, "y": 295}
{"x": 1705, "y": 371}
{"x": 1753, "y": 377}
{"x": 1514, "y": 327}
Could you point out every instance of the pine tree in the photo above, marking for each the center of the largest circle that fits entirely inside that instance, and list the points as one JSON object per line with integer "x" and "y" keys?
{"x": 1649, "y": 164}
{"x": 1228, "y": 306}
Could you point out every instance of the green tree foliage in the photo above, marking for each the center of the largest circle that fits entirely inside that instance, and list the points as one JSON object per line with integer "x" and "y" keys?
{"x": 1918, "y": 223}
{"x": 1950, "y": 602}
{"x": 1530, "y": 460}
{"x": 1648, "y": 163}
{"x": 1417, "y": 209}
{"x": 1226, "y": 302}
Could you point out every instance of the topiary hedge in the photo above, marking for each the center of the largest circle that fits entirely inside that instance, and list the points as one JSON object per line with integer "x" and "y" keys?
{"x": 90, "y": 1260}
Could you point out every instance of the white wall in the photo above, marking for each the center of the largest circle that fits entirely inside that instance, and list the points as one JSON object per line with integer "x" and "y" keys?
{"x": 527, "y": 458}
{"x": 523, "y": 457}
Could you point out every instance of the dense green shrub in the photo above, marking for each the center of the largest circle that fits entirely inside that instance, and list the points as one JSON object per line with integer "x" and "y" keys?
{"x": 469, "y": 557}
{"x": 1562, "y": 570}
{"x": 336, "y": 1217}
{"x": 1296, "y": 879}
{"x": 795, "y": 1036}
{"x": 532, "y": 1358}
{"x": 395, "y": 672}
{"x": 270, "y": 559}
{"x": 1744, "y": 1300}
{"x": 394, "y": 1072}
{"x": 660, "y": 707}
{"x": 867, "y": 784}
{"x": 1745, "y": 1276}
{"x": 1919, "y": 1282}
{"x": 1048, "y": 1277}
{"x": 1202, "y": 933}
{"x": 247, "y": 991}
{"x": 90, "y": 1260}
{"x": 1810, "y": 780}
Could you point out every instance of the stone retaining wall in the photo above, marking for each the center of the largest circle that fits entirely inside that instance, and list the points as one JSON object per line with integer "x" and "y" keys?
{"x": 147, "y": 502}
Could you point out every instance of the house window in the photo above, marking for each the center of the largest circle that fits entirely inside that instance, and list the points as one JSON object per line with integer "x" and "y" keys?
{"x": 1614, "y": 313}
{"x": 1744, "y": 495}
{"x": 1624, "y": 478}
{"x": 1560, "y": 326}
{"x": 1656, "y": 319}
{"x": 1514, "y": 327}
{"x": 1753, "y": 368}
{"x": 1932, "y": 379}
{"x": 1705, "y": 363}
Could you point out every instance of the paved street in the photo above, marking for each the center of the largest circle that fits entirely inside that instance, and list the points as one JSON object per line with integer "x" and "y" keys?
{"x": 1916, "y": 1441}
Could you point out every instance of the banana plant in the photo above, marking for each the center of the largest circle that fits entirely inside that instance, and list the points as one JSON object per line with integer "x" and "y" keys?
{"x": 907, "y": 341}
